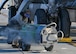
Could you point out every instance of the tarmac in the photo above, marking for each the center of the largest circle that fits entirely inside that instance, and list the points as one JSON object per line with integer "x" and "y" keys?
{"x": 59, "y": 48}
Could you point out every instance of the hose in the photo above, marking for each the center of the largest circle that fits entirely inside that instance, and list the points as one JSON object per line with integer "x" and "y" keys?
{"x": 42, "y": 32}
{"x": 46, "y": 34}
{"x": 61, "y": 33}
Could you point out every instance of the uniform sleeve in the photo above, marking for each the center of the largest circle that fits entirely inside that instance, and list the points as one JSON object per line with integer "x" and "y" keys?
{"x": 67, "y": 3}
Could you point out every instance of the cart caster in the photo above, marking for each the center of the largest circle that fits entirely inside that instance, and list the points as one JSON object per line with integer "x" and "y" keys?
{"x": 14, "y": 46}
{"x": 49, "y": 48}
{"x": 9, "y": 42}
{"x": 20, "y": 44}
{"x": 17, "y": 45}
{"x": 26, "y": 47}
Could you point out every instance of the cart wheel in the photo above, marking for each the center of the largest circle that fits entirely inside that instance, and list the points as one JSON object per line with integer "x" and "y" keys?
{"x": 25, "y": 47}
{"x": 49, "y": 48}
{"x": 20, "y": 44}
{"x": 9, "y": 42}
{"x": 14, "y": 46}
{"x": 64, "y": 22}
{"x": 17, "y": 44}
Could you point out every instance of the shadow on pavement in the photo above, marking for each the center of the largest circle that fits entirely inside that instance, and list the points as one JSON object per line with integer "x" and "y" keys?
{"x": 6, "y": 51}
